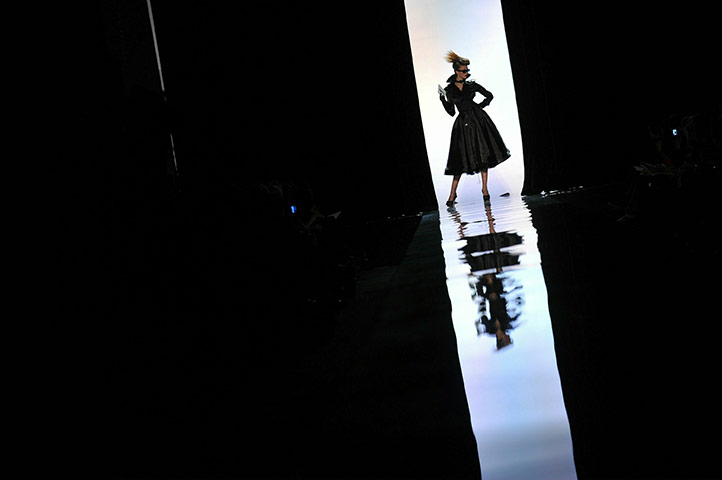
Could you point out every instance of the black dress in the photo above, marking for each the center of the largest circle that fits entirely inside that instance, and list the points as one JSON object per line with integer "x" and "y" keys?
{"x": 476, "y": 144}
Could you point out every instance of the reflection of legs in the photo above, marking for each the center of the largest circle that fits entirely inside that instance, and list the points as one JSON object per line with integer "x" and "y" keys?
{"x": 484, "y": 180}
{"x": 454, "y": 185}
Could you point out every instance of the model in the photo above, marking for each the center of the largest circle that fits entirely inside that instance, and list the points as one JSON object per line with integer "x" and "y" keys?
{"x": 476, "y": 145}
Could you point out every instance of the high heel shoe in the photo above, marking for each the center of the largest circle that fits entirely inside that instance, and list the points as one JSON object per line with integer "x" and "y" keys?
{"x": 450, "y": 203}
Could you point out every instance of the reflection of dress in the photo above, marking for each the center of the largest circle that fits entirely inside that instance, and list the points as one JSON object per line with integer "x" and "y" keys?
{"x": 475, "y": 141}
{"x": 494, "y": 304}
{"x": 491, "y": 243}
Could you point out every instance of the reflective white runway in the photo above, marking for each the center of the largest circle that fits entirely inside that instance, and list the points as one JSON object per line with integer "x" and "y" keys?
{"x": 505, "y": 342}
{"x": 494, "y": 277}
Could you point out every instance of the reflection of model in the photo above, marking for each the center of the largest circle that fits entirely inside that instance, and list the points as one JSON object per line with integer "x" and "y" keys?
{"x": 500, "y": 301}
{"x": 476, "y": 144}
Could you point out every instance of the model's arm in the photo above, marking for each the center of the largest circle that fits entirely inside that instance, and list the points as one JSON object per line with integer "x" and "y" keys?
{"x": 448, "y": 106}
{"x": 488, "y": 97}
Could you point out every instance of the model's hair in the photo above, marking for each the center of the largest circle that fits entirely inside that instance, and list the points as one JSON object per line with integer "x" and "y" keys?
{"x": 456, "y": 60}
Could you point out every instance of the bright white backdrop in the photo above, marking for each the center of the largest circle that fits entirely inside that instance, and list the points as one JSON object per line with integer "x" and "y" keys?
{"x": 474, "y": 29}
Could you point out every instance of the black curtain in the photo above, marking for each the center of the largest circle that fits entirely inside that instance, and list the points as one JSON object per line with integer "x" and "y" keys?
{"x": 301, "y": 92}
{"x": 153, "y": 269}
{"x": 590, "y": 80}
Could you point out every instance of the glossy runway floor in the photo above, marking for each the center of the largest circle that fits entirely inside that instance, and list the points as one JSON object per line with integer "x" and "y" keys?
{"x": 535, "y": 337}
{"x": 590, "y": 372}
{"x": 505, "y": 341}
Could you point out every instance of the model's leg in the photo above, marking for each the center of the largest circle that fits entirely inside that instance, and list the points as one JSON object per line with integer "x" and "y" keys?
{"x": 454, "y": 185}
{"x": 484, "y": 180}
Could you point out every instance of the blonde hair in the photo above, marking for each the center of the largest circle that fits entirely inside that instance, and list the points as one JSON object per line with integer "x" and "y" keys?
{"x": 454, "y": 58}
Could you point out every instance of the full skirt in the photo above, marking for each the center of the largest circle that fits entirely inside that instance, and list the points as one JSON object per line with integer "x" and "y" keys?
{"x": 476, "y": 144}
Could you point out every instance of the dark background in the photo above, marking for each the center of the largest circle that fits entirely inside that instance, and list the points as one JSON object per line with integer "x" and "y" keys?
{"x": 591, "y": 79}
{"x": 342, "y": 111}
{"x": 319, "y": 96}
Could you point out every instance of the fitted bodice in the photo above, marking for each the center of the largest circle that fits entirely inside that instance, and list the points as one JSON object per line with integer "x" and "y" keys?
{"x": 463, "y": 99}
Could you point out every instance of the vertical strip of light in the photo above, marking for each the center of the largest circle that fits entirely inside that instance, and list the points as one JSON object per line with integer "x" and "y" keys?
{"x": 162, "y": 83}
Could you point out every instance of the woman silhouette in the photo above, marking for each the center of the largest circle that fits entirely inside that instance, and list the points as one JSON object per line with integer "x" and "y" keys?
{"x": 476, "y": 145}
